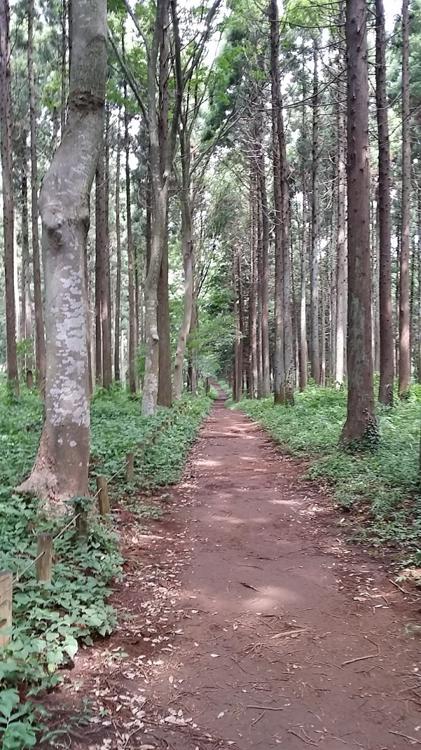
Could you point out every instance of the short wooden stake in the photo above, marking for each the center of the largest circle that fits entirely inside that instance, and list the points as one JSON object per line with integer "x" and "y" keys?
{"x": 44, "y": 564}
{"x": 103, "y": 498}
{"x": 29, "y": 379}
{"x": 6, "y": 590}
{"x": 81, "y": 522}
{"x": 130, "y": 467}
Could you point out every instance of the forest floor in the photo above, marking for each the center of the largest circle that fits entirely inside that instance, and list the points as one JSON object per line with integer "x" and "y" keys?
{"x": 246, "y": 620}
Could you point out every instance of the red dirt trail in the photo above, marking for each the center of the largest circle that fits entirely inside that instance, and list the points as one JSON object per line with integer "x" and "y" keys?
{"x": 249, "y": 622}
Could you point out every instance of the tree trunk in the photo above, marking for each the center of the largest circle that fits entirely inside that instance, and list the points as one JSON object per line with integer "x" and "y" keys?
{"x": 315, "y": 251}
{"x": 404, "y": 322}
{"x": 107, "y": 370}
{"x": 7, "y": 189}
{"x": 253, "y": 373}
{"x": 279, "y": 363}
{"x": 360, "y": 429}
{"x": 238, "y": 343}
{"x": 130, "y": 258}
{"x": 100, "y": 239}
{"x": 160, "y": 152}
{"x": 264, "y": 281}
{"x": 117, "y": 309}
{"x": 188, "y": 261}
{"x": 63, "y": 20}
{"x": 40, "y": 363}
{"x": 341, "y": 254}
{"x": 26, "y": 309}
{"x": 164, "y": 397}
{"x": 61, "y": 467}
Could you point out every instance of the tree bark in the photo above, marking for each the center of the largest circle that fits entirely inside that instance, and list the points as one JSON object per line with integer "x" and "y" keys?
{"x": 315, "y": 220}
{"x": 360, "y": 429}
{"x": 264, "y": 281}
{"x": 282, "y": 325}
{"x": 8, "y": 201}
{"x": 61, "y": 467}
{"x": 188, "y": 258}
{"x": 130, "y": 257}
{"x": 117, "y": 309}
{"x": 164, "y": 397}
{"x": 341, "y": 254}
{"x": 160, "y": 152}
{"x": 26, "y": 309}
{"x": 404, "y": 317}
{"x": 40, "y": 355}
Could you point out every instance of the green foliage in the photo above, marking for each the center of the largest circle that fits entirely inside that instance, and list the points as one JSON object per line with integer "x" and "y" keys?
{"x": 382, "y": 485}
{"x": 50, "y": 621}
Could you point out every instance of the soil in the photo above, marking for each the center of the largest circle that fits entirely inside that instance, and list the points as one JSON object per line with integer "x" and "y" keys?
{"x": 247, "y": 621}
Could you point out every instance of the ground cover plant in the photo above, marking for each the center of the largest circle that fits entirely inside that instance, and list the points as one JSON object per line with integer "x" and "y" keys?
{"x": 381, "y": 486}
{"x": 50, "y": 621}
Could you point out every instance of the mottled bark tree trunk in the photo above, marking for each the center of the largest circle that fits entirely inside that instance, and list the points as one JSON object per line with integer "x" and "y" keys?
{"x": 40, "y": 355}
{"x": 61, "y": 467}
{"x": 404, "y": 317}
{"x": 360, "y": 429}
{"x": 7, "y": 189}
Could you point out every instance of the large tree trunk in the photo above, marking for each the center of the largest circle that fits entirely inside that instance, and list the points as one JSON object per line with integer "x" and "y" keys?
{"x": 404, "y": 322}
{"x": 164, "y": 397}
{"x": 61, "y": 467}
{"x": 385, "y": 269}
{"x": 341, "y": 254}
{"x": 187, "y": 248}
{"x": 7, "y": 189}
{"x": 38, "y": 300}
{"x": 117, "y": 309}
{"x": 237, "y": 389}
{"x": 264, "y": 281}
{"x": 99, "y": 244}
{"x": 279, "y": 364}
{"x": 102, "y": 276}
{"x": 160, "y": 152}
{"x": 130, "y": 258}
{"x": 26, "y": 308}
{"x": 315, "y": 220}
{"x": 360, "y": 429}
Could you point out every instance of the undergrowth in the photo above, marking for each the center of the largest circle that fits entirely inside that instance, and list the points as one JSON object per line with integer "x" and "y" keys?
{"x": 51, "y": 621}
{"x": 381, "y": 487}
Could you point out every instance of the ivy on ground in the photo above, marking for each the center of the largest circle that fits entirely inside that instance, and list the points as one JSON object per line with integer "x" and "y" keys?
{"x": 382, "y": 486}
{"x": 51, "y": 621}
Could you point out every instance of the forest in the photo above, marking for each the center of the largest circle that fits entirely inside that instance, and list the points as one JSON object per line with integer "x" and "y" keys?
{"x": 210, "y": 325}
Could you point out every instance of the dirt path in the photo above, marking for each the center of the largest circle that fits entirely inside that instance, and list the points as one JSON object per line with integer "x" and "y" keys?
{"x": 272, "y": 632}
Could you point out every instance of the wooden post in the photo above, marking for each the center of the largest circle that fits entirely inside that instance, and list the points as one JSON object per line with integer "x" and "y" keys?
{"x": 130, "y": 467}
{"x": 6, "y": 589}
{"x": 29, "y": 379}
{"x": 44, "y": 565}
{"x": 103, "y": 498}
{"x": 207, "y": 386}
{"x": 81, "y": 522}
